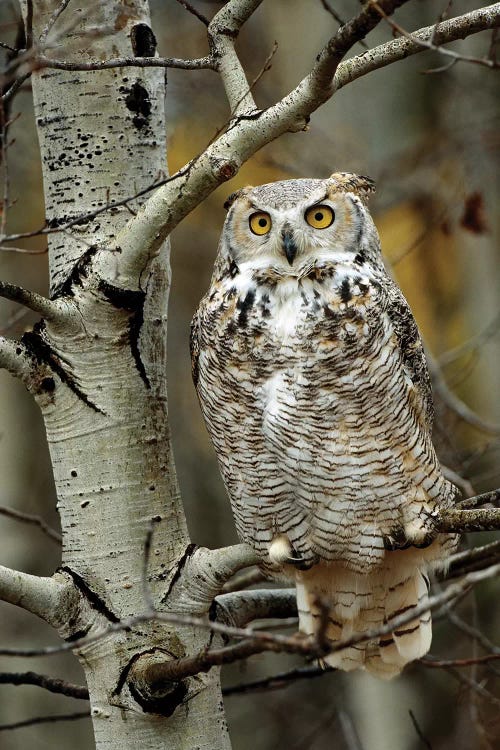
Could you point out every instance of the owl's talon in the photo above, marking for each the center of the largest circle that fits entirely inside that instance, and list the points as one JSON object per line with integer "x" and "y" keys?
{"x": 396, "y": 541}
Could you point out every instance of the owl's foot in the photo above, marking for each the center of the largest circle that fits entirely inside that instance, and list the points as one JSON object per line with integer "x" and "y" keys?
{"x": 420, "y": 532}
{"x": 282, "y": 552}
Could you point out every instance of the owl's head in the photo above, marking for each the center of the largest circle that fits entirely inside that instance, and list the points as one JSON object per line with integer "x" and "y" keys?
{"x": 291, "y": 225}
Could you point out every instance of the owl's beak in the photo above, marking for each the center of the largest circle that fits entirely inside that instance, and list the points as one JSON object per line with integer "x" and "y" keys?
{"x": 289, "y": 245}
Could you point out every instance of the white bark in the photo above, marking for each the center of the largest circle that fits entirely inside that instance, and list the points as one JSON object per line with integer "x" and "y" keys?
{"x": 100, "y": 381}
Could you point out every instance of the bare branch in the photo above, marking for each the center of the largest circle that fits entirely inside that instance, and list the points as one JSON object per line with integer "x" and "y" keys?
{"x": 399, "y": 49}
{"x": 454, "y": 403}
{"x": 472, "y": 559}
{"x": 31, "y": 519}
{"x": 240, "y": 608}
{"x": 463, "y": 521}
{"x": 41, "y": 596}
{"x": 326, "y": 5}
{"x": 222, "y": 33}
{"x": 419, "y": 732}
{"x": 486, "y": 498}
{"x": 204, "y": 574}
{"x": 45, "y": 720}
{"x": 430, "y": 44}
{"x": 191, "y": 9}
{"x": 52, "y": 20}
{"x": 474, "y": 686}
{"x": 202, "y": 63}
{"x": 434, "y": 662}
{"x": 141, "y": 239}
{"x": 52, "y": 684}
{"x": 51, "y": 310}
{"x": 243, "y": 580}
{"x": 15, "y": 358}
{"x": 278, "y": 681}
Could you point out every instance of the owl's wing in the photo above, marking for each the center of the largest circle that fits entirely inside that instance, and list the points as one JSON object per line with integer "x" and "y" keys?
{"x": 194, "y": 345}
{"x": 410, "y": 345}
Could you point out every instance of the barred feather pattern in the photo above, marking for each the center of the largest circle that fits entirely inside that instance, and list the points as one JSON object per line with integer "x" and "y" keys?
{"x": 313, "y": 384}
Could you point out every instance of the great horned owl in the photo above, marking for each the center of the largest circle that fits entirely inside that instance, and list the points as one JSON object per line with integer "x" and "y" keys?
{"x": 314, "y": 387}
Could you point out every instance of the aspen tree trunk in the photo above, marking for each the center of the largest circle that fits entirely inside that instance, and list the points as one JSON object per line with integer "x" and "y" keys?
{"x": 101, "y": 382}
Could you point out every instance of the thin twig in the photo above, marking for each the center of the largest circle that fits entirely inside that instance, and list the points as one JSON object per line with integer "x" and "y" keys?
{"x": 52, "y": 20}
{"x": 243, "y": 580}
{"x": 32, "y": 519}
{"x": 472, "y": 344}
{"x": 277, "y": 681}
{"x": 465, "y": 413}
{"x": 32, "y": 300}
{"x": 419, "y": 731}
{"x": 201, "y": 63}
{"x": 433, "y": 662}
{"x": 45, "y": 720}
{"x": 429, "y": 44}
{"x": 475, "y": 686}
{"x": 52, "y": 684}
{"x": 326, "y": 5}
{"x": 191, "y": 9}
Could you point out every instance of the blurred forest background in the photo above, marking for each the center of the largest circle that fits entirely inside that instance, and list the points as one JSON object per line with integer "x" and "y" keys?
{"x": 429, "y": 135}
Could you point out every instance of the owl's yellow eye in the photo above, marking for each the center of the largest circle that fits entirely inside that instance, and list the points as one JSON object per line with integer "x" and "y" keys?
{"x": 260, "y": 222}
{"x": 319, "y": 217}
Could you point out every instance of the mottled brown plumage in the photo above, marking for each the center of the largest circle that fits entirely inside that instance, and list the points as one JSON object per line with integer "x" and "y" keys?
{"x": 314, "y": 387}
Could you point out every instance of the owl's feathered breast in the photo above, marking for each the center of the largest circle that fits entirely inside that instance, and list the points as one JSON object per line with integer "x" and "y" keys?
{"x": 334, "y": 332}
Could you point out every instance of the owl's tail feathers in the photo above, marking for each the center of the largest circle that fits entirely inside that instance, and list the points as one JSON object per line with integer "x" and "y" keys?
{"x": 358, "y": 603}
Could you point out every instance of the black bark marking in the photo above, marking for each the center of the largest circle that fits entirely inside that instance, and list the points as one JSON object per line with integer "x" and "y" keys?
{"x": 143, "y": 40}
{"x": 48, "y": 385}
{"x": 138, "y": 101}
{"x": 93, "y": 599}
{"x": 79, "y": 272}
{"x": 244, "y": 306}
{"x": 179, "y": 568}
{"x": 133, "y": 302}
{"x": 78, "y": 634}
{"x": 43, "y": 353}
{"x": 164, "y": 705}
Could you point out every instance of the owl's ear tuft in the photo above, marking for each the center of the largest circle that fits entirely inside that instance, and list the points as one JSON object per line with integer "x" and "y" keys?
{"x": 361, "y": 185}
{"x": 234, "y": 196}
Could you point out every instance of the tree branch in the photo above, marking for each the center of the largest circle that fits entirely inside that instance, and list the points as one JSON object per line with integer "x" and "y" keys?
{"x": 204, "y": 573}
{"x": 51, "y": 310}
{"x": 41, "y": 596}
{"x": 15, "y": 358}
{"x": 447, "y": 31}
{"x": 430, "y": 44}
{"x": 241, "y": 607}
{"x": 475, "y": 558}
{"x": 52, "y": 684}
{"x": 464, "y": 521}
{"x": 45, "y": 720}
{"x": 222, "y": 34}
{"x": 201, "y": 63}
{"x": 31, "y": 519}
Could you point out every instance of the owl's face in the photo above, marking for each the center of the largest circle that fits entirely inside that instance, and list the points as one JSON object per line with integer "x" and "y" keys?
{"x": 292, "y": 225}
